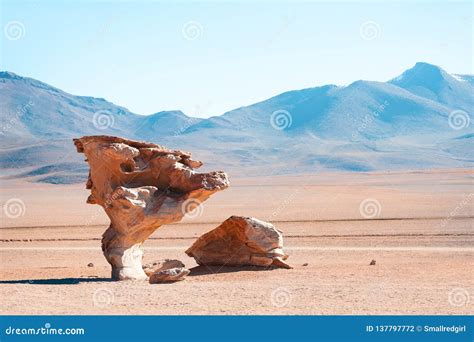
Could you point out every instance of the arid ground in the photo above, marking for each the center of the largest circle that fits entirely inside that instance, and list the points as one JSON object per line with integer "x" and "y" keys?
{"x": 417, "y": 226}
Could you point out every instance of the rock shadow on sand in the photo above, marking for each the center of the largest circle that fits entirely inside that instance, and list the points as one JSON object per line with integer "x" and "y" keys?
{"x": 57, "y": 281}
{"x": 209, "y": 270}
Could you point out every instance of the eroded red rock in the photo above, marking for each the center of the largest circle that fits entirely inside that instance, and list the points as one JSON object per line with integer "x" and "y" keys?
{"x": 141, "y": 186}
{"x": 240, "y": 241}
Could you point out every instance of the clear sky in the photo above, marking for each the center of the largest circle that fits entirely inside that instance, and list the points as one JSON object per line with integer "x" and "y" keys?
{"x": 205, "y": 58}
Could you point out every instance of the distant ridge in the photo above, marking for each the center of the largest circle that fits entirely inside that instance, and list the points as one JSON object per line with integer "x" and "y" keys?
{"x": 420, "y": 119}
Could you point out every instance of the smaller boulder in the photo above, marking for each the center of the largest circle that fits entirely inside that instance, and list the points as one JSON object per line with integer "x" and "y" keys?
{"x": 240, "y": 241}
{"x": 168, "y": 275}
{"x": 160, "y": 265}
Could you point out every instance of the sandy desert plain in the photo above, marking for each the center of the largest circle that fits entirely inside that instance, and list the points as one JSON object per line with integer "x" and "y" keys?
{"x": 417, "y": 226}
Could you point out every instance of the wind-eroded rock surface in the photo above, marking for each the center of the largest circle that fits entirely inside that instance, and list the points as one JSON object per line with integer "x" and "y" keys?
{"x": 141, "y": 186}
{"x": 240, "y": 241}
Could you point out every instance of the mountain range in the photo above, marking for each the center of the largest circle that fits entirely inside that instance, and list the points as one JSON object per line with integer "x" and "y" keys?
{"x": 418, "y": 120}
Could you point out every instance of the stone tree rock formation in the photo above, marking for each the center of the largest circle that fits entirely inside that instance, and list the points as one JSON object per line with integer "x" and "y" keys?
{"x": 240, "y": 241}
{"x": 141, "y": 186}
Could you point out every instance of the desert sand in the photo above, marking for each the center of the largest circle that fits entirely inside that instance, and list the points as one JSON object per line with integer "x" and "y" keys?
{"x": 417, "y": 226}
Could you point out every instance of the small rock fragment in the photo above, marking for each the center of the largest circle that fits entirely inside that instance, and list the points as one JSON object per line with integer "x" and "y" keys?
{"x": 161, "y": 265}
{"x": 278, "y": 262}
{"x": 169, "y": 275}
{"x": 372, "y": 262}
{"x": 305, "y": 264}
{"x": 90, "y": 264}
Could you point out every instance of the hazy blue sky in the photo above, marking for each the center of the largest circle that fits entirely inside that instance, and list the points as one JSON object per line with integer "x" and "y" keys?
{"x": 209, "y": 57}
